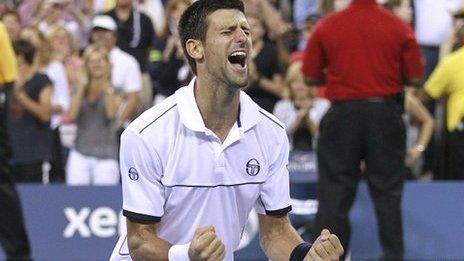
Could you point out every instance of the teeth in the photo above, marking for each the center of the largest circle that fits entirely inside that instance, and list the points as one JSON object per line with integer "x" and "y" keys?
{"x": 238, "y": 53}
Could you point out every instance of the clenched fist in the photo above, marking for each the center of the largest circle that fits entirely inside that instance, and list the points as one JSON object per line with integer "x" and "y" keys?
{"x": 206, "y": 245}
{"x": 326, "y": 247}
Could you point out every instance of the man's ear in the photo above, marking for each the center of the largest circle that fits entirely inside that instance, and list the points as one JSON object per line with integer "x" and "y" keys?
{"x": 194, "y": 49}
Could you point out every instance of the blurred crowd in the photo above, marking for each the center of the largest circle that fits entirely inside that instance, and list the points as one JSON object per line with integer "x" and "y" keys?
{"x": 88, "y": 67}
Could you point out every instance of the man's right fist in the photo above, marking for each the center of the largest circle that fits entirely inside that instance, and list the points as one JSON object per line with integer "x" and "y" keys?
{"x": 206, "y": 245}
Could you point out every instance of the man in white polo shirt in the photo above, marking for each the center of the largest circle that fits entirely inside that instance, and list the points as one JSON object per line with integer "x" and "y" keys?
{"x": 194, "y": 166}
{"x": 125, "y": 71}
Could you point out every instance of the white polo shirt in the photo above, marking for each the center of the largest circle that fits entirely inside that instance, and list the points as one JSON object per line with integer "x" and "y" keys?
{"x": 176, "y": 171}
{"x": 125, "y": 72}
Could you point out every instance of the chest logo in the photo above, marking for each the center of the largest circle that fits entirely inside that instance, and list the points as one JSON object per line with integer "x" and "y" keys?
{"x": 252, "y": 167}
{"x": 133, "y": 174}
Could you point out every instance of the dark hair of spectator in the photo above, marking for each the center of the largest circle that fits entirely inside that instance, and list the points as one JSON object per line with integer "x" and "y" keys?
{"x": 25, "y": 49}
{"x": 193, "y": 23}
{"x": 11, "y": 12}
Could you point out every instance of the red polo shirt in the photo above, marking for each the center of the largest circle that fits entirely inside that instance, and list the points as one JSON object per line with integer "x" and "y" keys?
{"x": 363, "y": 51}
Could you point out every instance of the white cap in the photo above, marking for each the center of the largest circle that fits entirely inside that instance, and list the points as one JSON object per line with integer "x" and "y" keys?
{"x": 105, "y": 22}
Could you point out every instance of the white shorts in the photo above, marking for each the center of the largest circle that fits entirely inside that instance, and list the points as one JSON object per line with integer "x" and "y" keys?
{"x": 85, "y": 170}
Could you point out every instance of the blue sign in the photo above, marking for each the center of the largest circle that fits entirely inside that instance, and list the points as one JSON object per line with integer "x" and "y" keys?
{"x": 82, "y": 223}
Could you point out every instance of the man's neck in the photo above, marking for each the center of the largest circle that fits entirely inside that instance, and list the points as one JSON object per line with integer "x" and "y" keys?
{"x": 123, "y": 13}
{"x": 218, "y": 105}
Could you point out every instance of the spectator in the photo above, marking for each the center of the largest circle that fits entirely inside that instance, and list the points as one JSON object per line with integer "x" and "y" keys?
{"x": 364, "y": 121}
{"x": 29, "y": 117}
{"x": 48, "y": 62}
{"x": 416, "y": 114}
{"x": 58, "y": 39}
{"x": 52, "y": 12}
{"x": 301, "y": 113}
{"x": 456, "y": 38}
{"x": 36, "y": 37}
{"x": 125, "y": 71}
{"x": 173, "y": 71}
{"x": 13, "y": 237}
{"x": 135, "y": 36}
{"x": 12, "y": 22}
{"x": 431, "y": 34}
{"x": 447, "y": 81}
{"x": 266, "y": 84}
{"x": 155, "y": 10}
{"x": 93, "y": 161}
{"x": 270, "y": 17}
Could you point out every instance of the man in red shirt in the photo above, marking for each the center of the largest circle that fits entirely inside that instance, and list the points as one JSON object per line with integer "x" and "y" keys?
{"x": 364, "y": 55}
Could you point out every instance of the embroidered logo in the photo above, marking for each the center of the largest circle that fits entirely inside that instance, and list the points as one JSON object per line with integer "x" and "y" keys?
{"x": 133, "y": 174}
{"x": 252, "y": 167}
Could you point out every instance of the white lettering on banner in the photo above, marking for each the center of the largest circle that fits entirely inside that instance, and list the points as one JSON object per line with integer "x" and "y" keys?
{"x": 76, "y": 222}
{"x": 102, "y": 222}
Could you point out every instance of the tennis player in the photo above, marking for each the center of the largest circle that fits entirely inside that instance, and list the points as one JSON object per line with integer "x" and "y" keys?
{"x": 194, "y": 166}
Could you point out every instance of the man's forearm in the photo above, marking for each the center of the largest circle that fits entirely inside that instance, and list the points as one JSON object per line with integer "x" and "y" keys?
{"x": 144, "y": 244}
{"x": 279, "y": 242}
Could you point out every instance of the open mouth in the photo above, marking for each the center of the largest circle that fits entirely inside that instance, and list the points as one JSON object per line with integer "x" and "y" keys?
{"x": 238, "y": 59}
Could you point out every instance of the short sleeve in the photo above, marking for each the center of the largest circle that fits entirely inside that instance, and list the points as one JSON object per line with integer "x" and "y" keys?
{"x": 274, "y": 198}
{"x": 142, "y": 191}
{"x": 411, "y": 58}
{"x": 44, "y": 80}
{"x": 314, "y": 61}
{"x": 438, "y": 80}
{"x": 133, "y": 79}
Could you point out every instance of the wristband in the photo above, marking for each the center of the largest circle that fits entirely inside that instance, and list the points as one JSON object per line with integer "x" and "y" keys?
{"x": 179, "y": 252}
{"x": 300, "y": 251}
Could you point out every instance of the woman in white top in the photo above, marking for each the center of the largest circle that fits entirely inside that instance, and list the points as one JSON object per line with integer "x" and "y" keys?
{"x": 301, "y": 112}
{"x": 93, "y": 161}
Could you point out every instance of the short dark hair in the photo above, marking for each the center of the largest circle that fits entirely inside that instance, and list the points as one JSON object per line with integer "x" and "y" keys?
{"x": 25, "y": 49}
{"x": 193, "y": 23}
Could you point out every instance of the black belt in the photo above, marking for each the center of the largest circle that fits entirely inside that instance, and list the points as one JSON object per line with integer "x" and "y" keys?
{"x": 383, "y": 99}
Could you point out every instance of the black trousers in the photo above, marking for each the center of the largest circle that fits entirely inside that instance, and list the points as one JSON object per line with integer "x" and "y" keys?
{"x": 28, "y": 173}
{"x": 57, "y": 172}
{"x": 374, "y": 132}
{"x": 13, "y": 237}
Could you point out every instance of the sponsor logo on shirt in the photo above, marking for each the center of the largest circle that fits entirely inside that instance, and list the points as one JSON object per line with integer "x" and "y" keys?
{"x": 252, "y": 167}
{"x": 133, "y": 174}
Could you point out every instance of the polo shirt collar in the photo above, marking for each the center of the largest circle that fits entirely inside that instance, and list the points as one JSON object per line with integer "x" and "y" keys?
{"x": 190, "y": 114}
{"x": 372, "y": 2}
